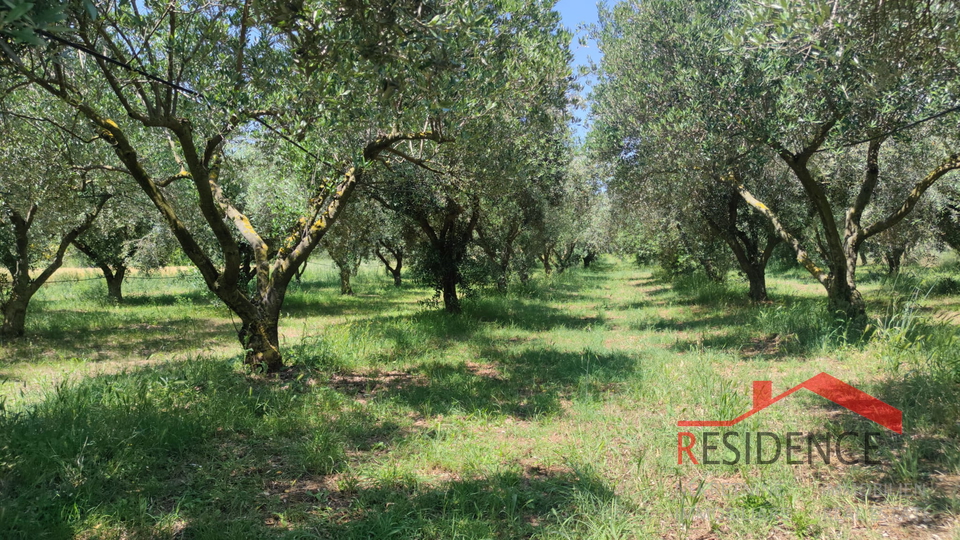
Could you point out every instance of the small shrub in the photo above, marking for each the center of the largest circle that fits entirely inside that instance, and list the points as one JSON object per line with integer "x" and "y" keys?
{"x": 945, "y": 285}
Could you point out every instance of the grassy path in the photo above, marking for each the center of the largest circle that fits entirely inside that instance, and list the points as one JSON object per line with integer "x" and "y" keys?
{"x": 550, "y": 413}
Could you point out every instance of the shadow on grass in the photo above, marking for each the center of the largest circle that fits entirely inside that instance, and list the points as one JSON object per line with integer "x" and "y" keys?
{"x": 526, "y": 315}
{"x": 147, "y": 453}
{"x": 792, "y": 326}
{"x": 194, "y": 297}
{"x": 511, "y": 504}
{"x": 380, "y": 340}
{"x": 110, "y": 338}
{"x": 918, "y": 465}
{"x": 524, "y": 385}
{"x": 198, "y": 450}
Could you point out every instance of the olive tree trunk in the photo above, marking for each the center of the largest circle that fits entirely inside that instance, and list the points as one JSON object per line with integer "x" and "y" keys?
{"x": 394, "y": 269}
{"x": 449, "y": 242}
{"x": 841, "y": 246}
{"x": 20, "y": 260}
{"x": 500, "y": 253}
{"x": 752, "y": 256}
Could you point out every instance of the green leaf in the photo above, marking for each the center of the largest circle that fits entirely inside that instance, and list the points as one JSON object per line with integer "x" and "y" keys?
{"x": 91, "y": 8}
{"x": 18, "y": 11}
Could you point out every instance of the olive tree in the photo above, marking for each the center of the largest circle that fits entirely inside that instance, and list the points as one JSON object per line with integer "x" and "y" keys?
{"x": 45, "y": 203}
{"x": 814, "y": 76}
{"x": 496, "y": 151}
{"x": 340, "y": 83}
{"x": 115, "y": 239}
{"x": 742, "y": 80}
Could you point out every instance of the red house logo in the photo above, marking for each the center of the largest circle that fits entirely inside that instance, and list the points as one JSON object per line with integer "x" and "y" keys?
{"x": 823, "y": 385}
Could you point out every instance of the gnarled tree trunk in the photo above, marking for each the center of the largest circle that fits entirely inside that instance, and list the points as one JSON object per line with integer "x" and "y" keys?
{"x": 750, "y": 256}
{"x": 449, "y": 281}
{"x": 15, "y": 313}
{"x": 19, "y": 261}
{"x": 115, "y": 284}
{"x": 345, "y": 287}
{"x": 840, "y": 248}
{"x": 272, "y": 268}
{"x": 396, "y": 267}
{"x": 893, "y": 256}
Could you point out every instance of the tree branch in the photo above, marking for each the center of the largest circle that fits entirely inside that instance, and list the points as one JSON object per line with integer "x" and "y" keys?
{"x": 950, "y": 164}
{"x": 802, "y": 256}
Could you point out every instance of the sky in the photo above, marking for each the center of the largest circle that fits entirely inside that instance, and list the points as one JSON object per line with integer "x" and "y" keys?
{"x": 575, "y": 13}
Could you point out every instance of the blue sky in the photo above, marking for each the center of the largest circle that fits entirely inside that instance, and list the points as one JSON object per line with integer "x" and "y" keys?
{"x": 574, "y": 14}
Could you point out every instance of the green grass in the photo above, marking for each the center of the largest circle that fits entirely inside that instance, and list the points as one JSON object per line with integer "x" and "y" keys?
{"x": 549, "y": 412}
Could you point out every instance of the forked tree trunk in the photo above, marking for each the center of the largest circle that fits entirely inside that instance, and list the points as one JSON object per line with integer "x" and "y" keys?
{"x": 201, "y": 160}
{"x": 751, "y": 258}
{"x": 23, "y": 287}
{"x": 113, "y": 276}
{"x": 115, "y": 283}
{"x": 894, "y": 258}
{"x": 841, "y": 247}
{"x": 394, "y": 269}
{"x": 565, "y": 259}
{"x": 346, "y": 270}
{"x": 449, "y": 244}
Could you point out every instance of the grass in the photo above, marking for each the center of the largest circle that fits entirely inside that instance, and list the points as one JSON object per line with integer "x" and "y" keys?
{"x": 549, "y": 412}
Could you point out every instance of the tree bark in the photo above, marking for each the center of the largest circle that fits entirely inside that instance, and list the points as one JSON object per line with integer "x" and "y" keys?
{"x": 565, "y": 259}
{"x": 261, "y": 341}
{"x": 894, "y": 257}
{"x": 200, "y": 157}
{"x": 758, "y": 286}
{"x": 345, "y": 287}
{"x": 394, "y": 269}
{"x": 24, "y": 287}
{"x": 115, "y": 284}
{"x": 451, "y": 302}
{"x": 15, "y": 314}
{"x": 841, "y": 248}
{"x": 746, "y": 249}
{"x": 545, "y": 259}
{"x": 449, "y": 244}
{"x": 846, "y": 301}
{"x": 272, "y": 272}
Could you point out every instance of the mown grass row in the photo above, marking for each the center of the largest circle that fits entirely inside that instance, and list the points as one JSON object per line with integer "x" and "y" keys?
{"x": 549, "y": 412}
